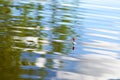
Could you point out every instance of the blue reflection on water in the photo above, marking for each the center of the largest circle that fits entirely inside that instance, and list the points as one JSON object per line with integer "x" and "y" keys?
{"x": 97, "y": 48}
{"x": 46, "y": 45}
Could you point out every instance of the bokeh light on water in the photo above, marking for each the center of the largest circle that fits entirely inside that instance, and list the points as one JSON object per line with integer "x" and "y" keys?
{"x": 36, "y": 40}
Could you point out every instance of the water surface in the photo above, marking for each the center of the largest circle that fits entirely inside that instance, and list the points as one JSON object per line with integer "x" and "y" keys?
{"x": 36, "y": 40}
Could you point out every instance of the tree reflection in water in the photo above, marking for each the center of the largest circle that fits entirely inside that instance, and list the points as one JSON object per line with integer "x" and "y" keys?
{"x": 35, "y": 40}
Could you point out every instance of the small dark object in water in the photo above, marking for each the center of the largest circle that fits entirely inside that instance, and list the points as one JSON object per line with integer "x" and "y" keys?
{"x": 73, "y": 41}
{"x": 73, "y": 48}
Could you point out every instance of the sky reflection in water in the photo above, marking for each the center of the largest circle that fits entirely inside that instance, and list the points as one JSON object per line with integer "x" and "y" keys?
{"x": 36, "y": 40}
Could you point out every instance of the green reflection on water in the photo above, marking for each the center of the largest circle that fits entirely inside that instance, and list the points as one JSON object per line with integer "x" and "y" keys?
{"x": 18, "y": 22}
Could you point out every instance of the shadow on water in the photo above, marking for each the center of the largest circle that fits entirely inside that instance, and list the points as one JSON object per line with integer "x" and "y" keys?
{"x": 36, "y": 40}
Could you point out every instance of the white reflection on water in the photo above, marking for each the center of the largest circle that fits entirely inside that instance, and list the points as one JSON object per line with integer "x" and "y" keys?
{"x": 103, "y": 45}
{"x": 40, "y": 62}
{"x": 103, "y": 30}
{"x": 100, "y": 66}
{"x": 104, "y": 36}
{"x": 92, "y": 67}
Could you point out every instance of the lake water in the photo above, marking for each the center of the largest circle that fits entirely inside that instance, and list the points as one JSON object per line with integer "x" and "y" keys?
{"x": 36, "y": 40}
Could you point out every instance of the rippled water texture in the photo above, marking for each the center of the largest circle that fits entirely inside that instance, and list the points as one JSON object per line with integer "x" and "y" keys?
{"x": 36, "y": 40}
